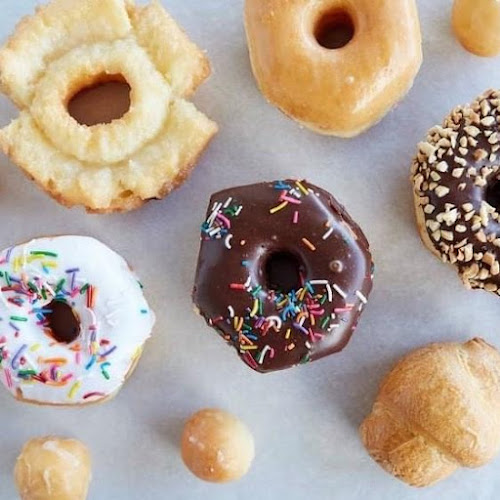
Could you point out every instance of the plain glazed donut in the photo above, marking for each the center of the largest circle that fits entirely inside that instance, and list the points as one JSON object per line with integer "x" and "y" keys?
{"x": 75, "y": 321}
{"x": 283, "y": 273}
{"x": 341, "y": 91}
{"x": 456, "y": 181}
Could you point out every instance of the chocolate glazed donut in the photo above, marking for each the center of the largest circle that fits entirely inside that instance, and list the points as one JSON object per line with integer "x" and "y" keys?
{"x": 456, "y": 185}
{"x": 283, "y": 273}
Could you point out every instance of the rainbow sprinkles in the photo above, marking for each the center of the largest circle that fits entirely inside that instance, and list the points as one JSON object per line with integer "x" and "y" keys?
{"x": 111, "y": 316}
{"x": 275, "y": 325}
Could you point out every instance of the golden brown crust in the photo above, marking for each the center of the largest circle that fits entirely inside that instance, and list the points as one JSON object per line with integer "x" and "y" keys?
{"x": 55, "y": 468}
{"x": 216, "y": 446}
{"x": 177, "y": 58}
{"x": 55, "y": 29}
{"x": 338, "y": 92}
{"x": 476, "y": 24}
{"x": 119, "y": 166}
{"x": 437, "y": 410}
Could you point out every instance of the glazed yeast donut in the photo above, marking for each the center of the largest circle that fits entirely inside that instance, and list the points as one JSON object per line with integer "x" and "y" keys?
{"x": 72, "y": 46}
{"x": 74, "y": 321}
{"x": 335, "y": 66}
{"x": 284, "y": 273}
{"x": 456, "y": 181}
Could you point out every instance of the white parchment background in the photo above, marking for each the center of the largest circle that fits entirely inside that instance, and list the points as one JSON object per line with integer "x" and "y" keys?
{"x": 304, "y": 420}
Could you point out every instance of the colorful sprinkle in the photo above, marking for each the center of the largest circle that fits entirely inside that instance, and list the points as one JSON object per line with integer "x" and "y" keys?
{"x": 302, "y": 188}
{"x": 104, "y": 371}
{"x": 308, "y": 244}
{"x": 44, "y": 253}
{"x": 328, "y": 233}
{"x": 361, "y": 297}
{"x": 18, "y": 318}
{"x": 279, "y": 207}
{"x": 74, "y": 389}
{"x": 17, "y": 357}
{"x": 94, "y": 394}
{"x": 339, "y": 291}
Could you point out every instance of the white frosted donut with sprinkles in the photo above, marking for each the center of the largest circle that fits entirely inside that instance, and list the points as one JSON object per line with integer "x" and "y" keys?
{"x": 73, "y": 321}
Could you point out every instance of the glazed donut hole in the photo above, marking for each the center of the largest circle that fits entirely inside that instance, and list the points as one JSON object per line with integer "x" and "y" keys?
{"x": 101, "y": 101}
{"x": 476, "y": 24}
{"x": 334, "y": 29}
{"x": 53, "y": 468}
{"x": 216, "y": 446}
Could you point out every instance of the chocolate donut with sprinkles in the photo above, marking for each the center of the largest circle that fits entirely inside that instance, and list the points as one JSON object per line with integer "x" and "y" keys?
{"x": 73, "y": 321}
{"x": 456, "y": 180}
{"x": 283, "y": 274}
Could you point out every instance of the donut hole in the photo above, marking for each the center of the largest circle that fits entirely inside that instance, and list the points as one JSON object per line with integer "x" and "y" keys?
{"x": 334, "y": 29}
{"x": 283, "y": 272}
{"x": 106, "y": 99}
{"x": 493, "y": 194}
{"x": 62, "y": 321}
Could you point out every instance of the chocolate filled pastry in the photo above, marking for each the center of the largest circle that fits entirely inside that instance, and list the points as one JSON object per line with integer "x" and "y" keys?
{"x": 456, "y": 182}
{"x": 436, "y": 411}
{"x": 283, "y": 273}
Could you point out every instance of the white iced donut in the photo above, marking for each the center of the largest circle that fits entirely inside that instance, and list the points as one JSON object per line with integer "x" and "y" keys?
{"x": 74, "y": 320}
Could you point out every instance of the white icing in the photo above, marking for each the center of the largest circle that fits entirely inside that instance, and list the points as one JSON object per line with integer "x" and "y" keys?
{"x": 120, "y": 317}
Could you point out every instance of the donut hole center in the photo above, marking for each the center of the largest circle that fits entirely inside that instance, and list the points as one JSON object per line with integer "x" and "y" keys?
{"x": 62, "y": 321}
{"x": 283, "y": 272}
{"x": 334, "y": 29}
{"x": 493, "y": 194}
{"x": 105, "y": 99}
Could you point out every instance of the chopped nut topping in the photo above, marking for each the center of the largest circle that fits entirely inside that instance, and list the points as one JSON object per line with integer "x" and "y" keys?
{"x": 459, "y": 218}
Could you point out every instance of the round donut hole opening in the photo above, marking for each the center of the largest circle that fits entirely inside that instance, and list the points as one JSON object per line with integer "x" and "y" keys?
{"x": 334, "y": 30}
{"x": 283, "y": 272}
{"x": 493, "y": 194}
{"x": 62, "y": 321}
{"x": 106, "y": 99}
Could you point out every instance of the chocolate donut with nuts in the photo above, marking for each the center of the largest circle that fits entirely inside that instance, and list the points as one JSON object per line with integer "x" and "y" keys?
{"x": 456, "y": 181}
{"x": 283, "y": 273}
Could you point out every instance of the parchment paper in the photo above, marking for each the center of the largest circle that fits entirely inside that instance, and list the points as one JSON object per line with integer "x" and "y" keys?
{"x": 304, "y": 420}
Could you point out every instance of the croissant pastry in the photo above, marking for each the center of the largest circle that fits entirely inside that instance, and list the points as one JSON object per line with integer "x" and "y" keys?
{"x": 436, "y": 411}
